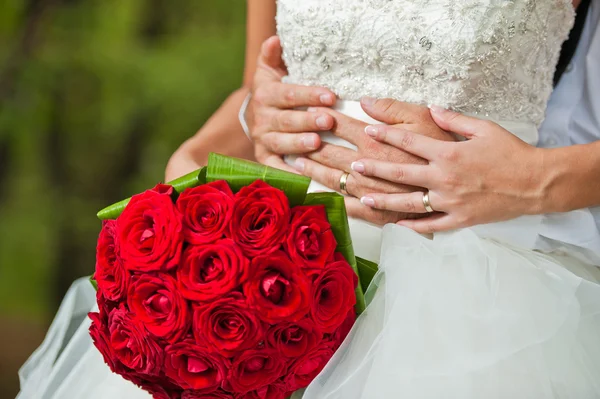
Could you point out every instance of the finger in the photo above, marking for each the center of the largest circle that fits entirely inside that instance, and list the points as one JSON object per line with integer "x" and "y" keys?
{"x": 275, "y": 161}
{"x": 290, "y": 143}
{"x": 345, "y": 127}
{"x": 414, "y": 143}
{"x": 299, "y": 121}
{"x": 407, "y": 203}
{"x": 432, "y": 224}
{"x": 454, "y": 122}
{"x": 271, "y": 52}
{"x": 391, "y": 112}
{"x": 325, "y": 175}
{"x": 334, "y": 156}
{"x": 355, "y": 209}
{"x": 409, "y": 174}
{"x": 283, "y": 95}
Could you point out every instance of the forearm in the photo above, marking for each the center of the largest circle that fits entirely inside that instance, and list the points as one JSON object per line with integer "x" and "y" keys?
{"x": 222, "y": 133}
{"x": 573, "y": 181}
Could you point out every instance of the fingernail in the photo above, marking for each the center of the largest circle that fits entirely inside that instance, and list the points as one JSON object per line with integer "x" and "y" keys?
{"x": 368, "y": 201}
{"x": 368, "y": 100}
{"x": 436, "y": 108}
{"x": 299, "y": 164}
{"x": 311, "y": 109}
{"x": 309, "y": 142}
{"x": 358, "y": 167}
{"x": 371, "y": 131}
{"x": 322, "y": 122}
{"x": 326, "y": 98}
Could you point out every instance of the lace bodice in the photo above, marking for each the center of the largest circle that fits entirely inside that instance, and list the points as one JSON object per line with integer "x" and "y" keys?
{"x": 493, "y": 58}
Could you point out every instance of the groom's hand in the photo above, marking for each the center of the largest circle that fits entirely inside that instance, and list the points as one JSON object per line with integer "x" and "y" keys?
{"x": 276, "y": 126}
{"x": 327, "y": 164}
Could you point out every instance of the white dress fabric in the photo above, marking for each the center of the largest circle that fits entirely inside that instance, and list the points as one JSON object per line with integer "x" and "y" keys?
{"x": 476, "y": 313}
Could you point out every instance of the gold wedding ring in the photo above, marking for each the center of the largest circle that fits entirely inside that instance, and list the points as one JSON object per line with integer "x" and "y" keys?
{"x": 426, "y": 202}
{"x": 343, "y": 181}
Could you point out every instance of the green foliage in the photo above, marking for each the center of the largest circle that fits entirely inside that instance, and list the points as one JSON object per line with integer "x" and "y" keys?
{"x": 95, "y": 95}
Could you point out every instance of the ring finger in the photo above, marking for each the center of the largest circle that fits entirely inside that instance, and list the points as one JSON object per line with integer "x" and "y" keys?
{"x": 406, "y": 202}
{"x": 327, "y": 176}
{"x": 290, "y": 143}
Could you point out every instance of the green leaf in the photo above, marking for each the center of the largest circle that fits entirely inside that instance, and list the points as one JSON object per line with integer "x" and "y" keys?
{"x": 192, "y": 179}
{"x": 366, "y": 272}
{"x": 336, "y": 214}
{"x": 240, "y": 173}
{"x": 94, "y": 283}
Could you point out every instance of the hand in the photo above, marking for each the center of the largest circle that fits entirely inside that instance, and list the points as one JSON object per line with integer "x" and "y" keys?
{"x": 276, "y": 127}
{"x": 327, "y": 164}
{"x": 493, "y": 176}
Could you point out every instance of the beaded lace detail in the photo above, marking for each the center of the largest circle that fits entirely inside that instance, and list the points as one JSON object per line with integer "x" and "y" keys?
{"x": 495, "y": 58}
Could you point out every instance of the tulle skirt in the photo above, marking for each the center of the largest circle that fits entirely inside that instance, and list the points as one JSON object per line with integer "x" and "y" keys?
{"x": 460, "y": 316}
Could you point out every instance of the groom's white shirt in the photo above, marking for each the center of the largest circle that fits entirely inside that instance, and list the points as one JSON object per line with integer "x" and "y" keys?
{"x": 573, "y": 114}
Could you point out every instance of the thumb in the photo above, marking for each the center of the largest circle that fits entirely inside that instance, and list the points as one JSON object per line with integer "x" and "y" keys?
{"x": 454, "y": 122}
{"x": 387, "y": 110}
{"x": 271, "y": 52}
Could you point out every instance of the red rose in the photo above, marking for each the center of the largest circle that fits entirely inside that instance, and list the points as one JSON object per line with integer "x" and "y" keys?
{"x": 192, "y": 367}
{"x": 132, "y": 345}
{"x": 293, "y": 339}
{"x": 342, "y": 332}
{"x": 255, "y": 368}
{"x": 111, "y": 276}
{"x": 206, "y": 211}
{"x": 227, "y": 325}
{"x": 150, "y": 231}
{"x": 101, "y": 339}
{"x": 213, "y": 395}
{"x": 305, "y": 369}
{"x": 272, "y": 391}
{"x": 333, "y": 295}
{"x": 159, "y": 388}
{"x": 310, "y": 241}
{"x": 260, "y": 219}
{"x": 210, "y": 271}
{"x": 156, "y": 301}
{"x": 277, "y": 289}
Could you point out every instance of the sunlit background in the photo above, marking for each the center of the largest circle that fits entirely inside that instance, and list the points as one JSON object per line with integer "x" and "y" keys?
{"x": 94, "y": 97}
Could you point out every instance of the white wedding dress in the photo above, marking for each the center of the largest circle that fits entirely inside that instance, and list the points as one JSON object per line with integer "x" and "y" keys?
{"x": 506, "y": 310}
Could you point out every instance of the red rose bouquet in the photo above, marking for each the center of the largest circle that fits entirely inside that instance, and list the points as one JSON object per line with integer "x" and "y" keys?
{"x": 230, "y": 282}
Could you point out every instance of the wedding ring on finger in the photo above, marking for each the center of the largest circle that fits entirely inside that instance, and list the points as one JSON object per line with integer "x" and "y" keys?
{"x": 426, "y": 202}
{"x": 343, "y": 181}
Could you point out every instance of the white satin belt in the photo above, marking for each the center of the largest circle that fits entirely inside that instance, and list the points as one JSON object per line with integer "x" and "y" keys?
{"x": 573, "y": 232}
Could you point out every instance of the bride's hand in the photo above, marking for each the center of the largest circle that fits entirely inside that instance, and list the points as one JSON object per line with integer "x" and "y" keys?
{"x": 276, "y": 127}
{"x": 329, "y": 162}
{"x": 493, "y": 176}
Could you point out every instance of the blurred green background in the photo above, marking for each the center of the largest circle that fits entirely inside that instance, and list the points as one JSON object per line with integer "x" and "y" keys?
{"x": 95, "y": 95}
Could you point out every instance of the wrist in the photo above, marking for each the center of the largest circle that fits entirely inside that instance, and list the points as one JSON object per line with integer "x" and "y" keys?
{"x": 558, "y": 179}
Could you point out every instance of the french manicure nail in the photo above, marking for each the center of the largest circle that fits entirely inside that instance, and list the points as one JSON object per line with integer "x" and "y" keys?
{"x": 322, "y": 122}
{"x": 358, "y": 167}
{"x": 299, "y": 164}
{"x": 368, "y": 201}
{"x": 326, "y": 98}
{"x": 371, "y": 131}
{"x": 311, "y": 109}
{"x": 368, "y": 100}
{"x": 309, "y": 142}
{"x": 436, "y": 108}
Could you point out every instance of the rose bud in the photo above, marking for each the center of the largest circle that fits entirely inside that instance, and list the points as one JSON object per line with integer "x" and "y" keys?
{"x": 293, "y": 339}
{"x": 260, "y": 219}
{"x": 256, "y": 368}
{"x": 305, "y": 369}
{"x": 209, "y": 271}
{"x": 277, "y": 289}
{"x": 333, "y": 295}
{"x": 132, "y": 345}
{"x": 227, "y": 325}
{"x": 310, "y": 242}
{"x": 150, "y": 232}
{"x": 206, "y": 210}
{"x": 156, "y": 301}
{"x": 193, "y": 367}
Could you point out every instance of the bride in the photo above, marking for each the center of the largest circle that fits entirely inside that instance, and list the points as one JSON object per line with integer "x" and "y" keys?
{"x": 476, "y": 312}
